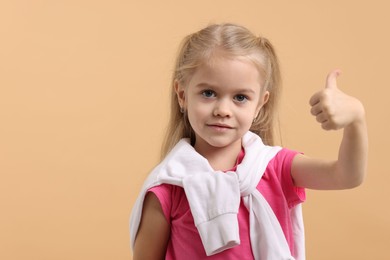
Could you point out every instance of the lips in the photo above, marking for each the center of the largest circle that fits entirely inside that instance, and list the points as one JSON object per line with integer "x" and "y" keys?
{"x": 220, "y": 126}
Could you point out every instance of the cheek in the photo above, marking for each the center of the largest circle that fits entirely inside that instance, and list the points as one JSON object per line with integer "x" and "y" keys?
{"x": 195, "y": 106}
{"x": 195, "y": 113}
{"x": 246, "y": 117}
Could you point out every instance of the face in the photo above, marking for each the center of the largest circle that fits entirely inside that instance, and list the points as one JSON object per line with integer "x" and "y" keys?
{"x": 221, "y": 101}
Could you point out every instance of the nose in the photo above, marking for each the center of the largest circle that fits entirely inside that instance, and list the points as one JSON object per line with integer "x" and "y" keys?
{"x": 222, "y": 108}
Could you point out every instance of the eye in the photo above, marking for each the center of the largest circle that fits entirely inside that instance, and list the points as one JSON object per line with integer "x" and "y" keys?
{"x": 241, "y": 98}
{"x": 208, "y": 93}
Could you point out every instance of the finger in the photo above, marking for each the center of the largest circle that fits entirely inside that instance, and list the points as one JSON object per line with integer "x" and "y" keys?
{"x": 316, "y": 109}
{"x": 315, "y": 99}
{"x": 326, "y": 125}
{"x": 329, "y": 125}
{"x": 322, "y": 118}
{"x": 331, "y": 79}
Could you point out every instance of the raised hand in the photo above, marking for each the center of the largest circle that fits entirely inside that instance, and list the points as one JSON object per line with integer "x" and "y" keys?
{"x": 333, "y": 108}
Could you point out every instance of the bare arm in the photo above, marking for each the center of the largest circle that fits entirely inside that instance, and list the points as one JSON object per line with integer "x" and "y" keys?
{"x": 154, "y": 231}
{"x": 336, "y": 110}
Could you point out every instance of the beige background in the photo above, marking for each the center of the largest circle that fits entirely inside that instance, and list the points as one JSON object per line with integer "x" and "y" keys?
{"x": 84, "y": 100}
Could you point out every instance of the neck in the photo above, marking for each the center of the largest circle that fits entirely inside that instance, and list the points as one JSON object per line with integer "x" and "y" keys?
{"x": 220, "y": 158}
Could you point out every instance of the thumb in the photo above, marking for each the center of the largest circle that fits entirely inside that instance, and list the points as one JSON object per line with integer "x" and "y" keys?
{"x": 331, "y": 79}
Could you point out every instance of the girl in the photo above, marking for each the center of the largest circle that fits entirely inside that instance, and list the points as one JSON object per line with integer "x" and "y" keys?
{"x": 223, "y": 191}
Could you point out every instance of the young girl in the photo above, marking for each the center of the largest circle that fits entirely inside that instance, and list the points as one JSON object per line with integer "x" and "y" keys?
{"x": 222, "y": 190}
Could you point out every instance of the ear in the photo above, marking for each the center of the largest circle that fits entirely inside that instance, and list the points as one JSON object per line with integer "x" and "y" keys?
{"x": 263, "y": 100}
{"x": 180, "y": 93}
{"x": 265, "y": 97}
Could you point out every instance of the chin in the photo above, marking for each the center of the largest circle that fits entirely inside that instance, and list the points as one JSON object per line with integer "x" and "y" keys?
{"x": 222, "y": 144}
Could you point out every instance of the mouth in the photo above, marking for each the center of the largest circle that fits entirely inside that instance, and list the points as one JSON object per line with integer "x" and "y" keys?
{"x": 220, "y": 127}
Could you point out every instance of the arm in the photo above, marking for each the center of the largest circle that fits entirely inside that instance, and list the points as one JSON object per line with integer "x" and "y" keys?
{"x": 153, "y": 234}
{"x": 336, "y": 110}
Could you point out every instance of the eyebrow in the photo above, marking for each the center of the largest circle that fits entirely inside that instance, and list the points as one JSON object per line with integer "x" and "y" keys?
{"x": 239, "y": 90}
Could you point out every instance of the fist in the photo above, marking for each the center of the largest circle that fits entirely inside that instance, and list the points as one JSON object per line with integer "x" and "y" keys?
{"x": 333, "y": 108}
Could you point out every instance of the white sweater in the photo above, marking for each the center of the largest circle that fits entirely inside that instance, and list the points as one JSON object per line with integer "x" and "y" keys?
{"x": 214, "y": 199}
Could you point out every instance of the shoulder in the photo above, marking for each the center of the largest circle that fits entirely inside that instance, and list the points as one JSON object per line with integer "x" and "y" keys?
{"x": 282, "y": 161}
{"x": 172, "y": 199}
{"x": 165, "y": 191}
{"x": 277, "y": 177}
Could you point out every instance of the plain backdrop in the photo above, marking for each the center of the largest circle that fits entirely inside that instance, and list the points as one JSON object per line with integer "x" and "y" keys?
{"x": 84, "y": 88}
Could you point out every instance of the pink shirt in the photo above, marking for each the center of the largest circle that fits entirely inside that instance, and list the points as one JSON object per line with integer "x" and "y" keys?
{"x": 277, "y": 188}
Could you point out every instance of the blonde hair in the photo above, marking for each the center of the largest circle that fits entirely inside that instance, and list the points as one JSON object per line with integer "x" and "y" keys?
{"x": 232, "y": 41}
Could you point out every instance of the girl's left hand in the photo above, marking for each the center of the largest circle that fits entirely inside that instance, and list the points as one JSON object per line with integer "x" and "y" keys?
{"x": 333, "y": 108}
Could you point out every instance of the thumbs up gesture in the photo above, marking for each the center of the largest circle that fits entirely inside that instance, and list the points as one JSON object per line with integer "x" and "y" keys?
{"x": 333, "y": 108}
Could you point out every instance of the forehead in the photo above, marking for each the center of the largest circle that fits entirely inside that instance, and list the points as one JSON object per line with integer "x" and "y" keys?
{"x": 228, "y": 72}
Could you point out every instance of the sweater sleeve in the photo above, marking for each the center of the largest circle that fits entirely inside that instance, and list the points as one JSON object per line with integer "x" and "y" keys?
{"x": 214, "y": 206}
